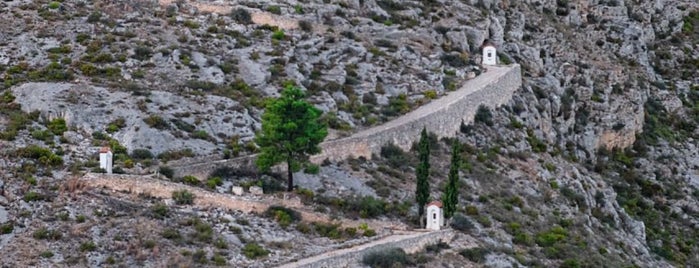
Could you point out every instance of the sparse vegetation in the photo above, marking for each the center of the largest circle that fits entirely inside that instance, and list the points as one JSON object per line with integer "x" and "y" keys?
{"x": 283, "y": 216}
{"x": 183, "y": 197}
{"x": 392, "y": 257}
{"x": 254, "y": 251}
{"x": 47, "y": 234}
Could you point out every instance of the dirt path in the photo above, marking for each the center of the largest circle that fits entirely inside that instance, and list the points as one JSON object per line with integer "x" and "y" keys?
{"x": 257, "y": 17}
{"x": 148, "y": 185}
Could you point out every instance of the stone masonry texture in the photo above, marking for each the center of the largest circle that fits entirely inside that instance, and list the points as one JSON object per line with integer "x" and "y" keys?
{"x": 442, "y": 117}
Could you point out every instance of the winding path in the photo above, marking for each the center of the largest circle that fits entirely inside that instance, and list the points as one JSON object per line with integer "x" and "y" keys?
{"x": 442, "y": 116}
{"x": 148, "y": 185}
{"x": 410, "y": 242}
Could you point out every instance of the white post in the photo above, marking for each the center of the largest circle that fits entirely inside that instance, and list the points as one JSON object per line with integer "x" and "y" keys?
{"x": 106, "y": 159}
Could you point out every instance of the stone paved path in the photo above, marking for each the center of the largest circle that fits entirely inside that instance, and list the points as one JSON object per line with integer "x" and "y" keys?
{"x": 452, "y": 98}
{"x": 339, "y": 252}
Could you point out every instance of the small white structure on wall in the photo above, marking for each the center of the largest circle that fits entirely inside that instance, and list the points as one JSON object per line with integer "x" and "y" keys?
{"x": 490, "y": 54}
{"x": 106, "y": 159}
{"x": 435, "y": 216}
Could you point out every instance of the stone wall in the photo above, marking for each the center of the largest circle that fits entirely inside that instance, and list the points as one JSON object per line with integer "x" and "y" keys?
{"x": 442, "y": 117}
{"x": 204, "y": 168}
{"x": 353, "y": 258}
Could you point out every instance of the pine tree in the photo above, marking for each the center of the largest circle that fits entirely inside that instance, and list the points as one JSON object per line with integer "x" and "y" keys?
{"x": 291, "y": 132}
{"x": 450, "y": 198}
{"x": 422, "y": 191}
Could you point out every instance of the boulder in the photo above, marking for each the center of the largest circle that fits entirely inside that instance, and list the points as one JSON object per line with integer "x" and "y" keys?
{"x": 237, "y": 190}
{"x": 256, "y": 190}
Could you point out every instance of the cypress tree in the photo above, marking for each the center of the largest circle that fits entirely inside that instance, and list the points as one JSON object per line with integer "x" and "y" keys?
{"x": 451, "y": 194}
{"x": 422, "y": 190}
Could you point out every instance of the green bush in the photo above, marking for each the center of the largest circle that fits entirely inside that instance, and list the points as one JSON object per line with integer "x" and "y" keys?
{"x": 551, "y": 237}
{"x": 7, "y": 97}
{"x": 397, "y": 105}
{"x": 116, "y": 125}
{"x": 43, "y": 135}
{"x": 199, "y": 257}
{"x": 160, "y": 211}
{"x": 156, "y": 122}
{"x": 471, "y": 210}
{"x": 221, "y": 244}
{"x": 200, "y": 134}
{"x": 172, "y": 234}
{"x": 191, "y": 180}
{"x": 88, "y": 246}
{"x": 6, "y": 228}
{"x": 437, "y": 247}
{"x": 351, "y": 231}
{"x": 396, "y": 157}
{"x": 204, "y": 232}
{"x": 475, "y": 254}
{"x": 538, "y": 146}
{"x": 99, "y": 136}
{"x": 218, "y": 260}
{"x": 455, "y": 60}
{"x": 183, "y": 197}
{"x": 141, "y": 154}
{"x": 175, "y": 154}
{"x": 278, "y": 35}
{"x": 312, "y": 169}
{"x": 211, "y": 183}
{"x": 57, "y": 126}
{"x": 182, "y": 125}
{"x": 60, "y": 50}
{"x": 166, "y": 171}
{"x": 34, "y": 152}
{"x": 391, "y": 257}
{"x": 32, "y": 196}
{"x": 94, "y": 17}
{"x": 370, "y": 207}
{"x": 461, "y": 223}
{"x": 191, "y": 24}
{"x": 116, "y": 147}
{"x": 254, "y": 251}
{"x": 142, "y": 53}
{"x": 52, "y": 72}
{"x": 305, "y": 194}
{"x": 274, "y": 10}
{"x": 54, "y": 5}
{"x": 331, "y": 231}
{"x": 241, "y": 16}
{"x": 282, "y": 215}
{"x": 47, "y": 234}
{"x": 430, "y": 94}
{"x": 46, "y": 254}
{"x": 305, "y": 25}
{"x": 483, "y": 115}
{"x": 571, "y": 263}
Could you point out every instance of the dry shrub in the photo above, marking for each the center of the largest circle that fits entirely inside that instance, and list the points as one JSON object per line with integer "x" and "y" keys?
{"x": 73, "y": 185}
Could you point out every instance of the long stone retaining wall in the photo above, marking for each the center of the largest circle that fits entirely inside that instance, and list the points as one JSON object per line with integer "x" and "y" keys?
{"x": 442, "y": 117}
{"x": 352, "y": 257}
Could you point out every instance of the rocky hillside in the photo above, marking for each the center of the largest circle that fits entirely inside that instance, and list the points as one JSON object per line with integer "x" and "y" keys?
{"x": 592, "y": 163}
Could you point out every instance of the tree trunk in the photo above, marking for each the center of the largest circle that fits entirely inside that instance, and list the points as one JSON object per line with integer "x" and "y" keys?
{"x": 421, "y": 213}
{"x": 290, "y": 175}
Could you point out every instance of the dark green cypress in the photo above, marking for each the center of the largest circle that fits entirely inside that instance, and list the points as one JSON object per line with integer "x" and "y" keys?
{"x": 451, "y": 194}
{"x": 422, "y": 190}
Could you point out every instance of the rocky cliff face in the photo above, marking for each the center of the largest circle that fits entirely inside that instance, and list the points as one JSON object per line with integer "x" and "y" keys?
{"x": 607, "y": 108}
{"x": 593, "y": 162}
